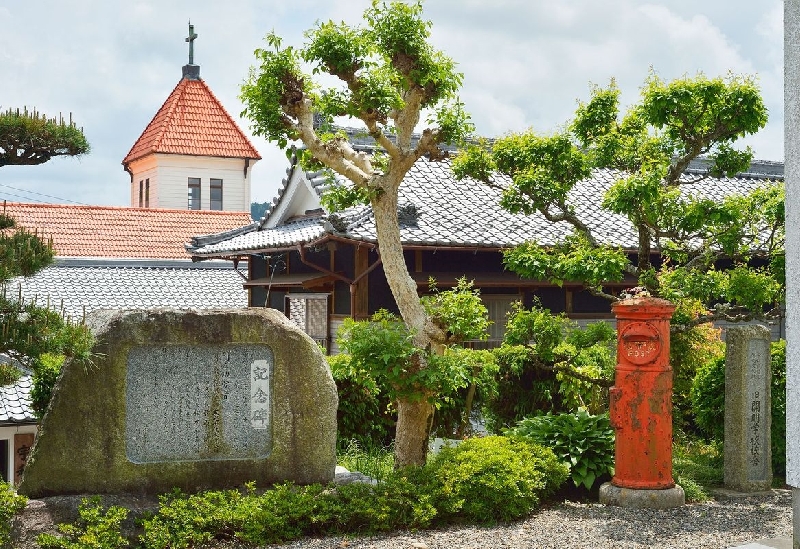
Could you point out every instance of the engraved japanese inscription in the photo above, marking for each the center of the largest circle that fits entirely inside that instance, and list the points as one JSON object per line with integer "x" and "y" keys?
{"x": 757, "y": 435}
{"x": 198, "y": 402}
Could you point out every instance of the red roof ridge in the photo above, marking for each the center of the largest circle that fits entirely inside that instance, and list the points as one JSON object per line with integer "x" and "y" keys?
{"x": 168, "y": 134}
{"x": 119, "y": 208}
{"x": 79, "y": 230}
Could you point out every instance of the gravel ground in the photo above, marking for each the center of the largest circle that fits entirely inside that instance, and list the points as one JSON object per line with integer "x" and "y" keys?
{"x": 717, "y": 524}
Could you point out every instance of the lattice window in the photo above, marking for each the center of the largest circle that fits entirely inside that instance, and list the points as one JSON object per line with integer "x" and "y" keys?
{"x": 310, "y": 313}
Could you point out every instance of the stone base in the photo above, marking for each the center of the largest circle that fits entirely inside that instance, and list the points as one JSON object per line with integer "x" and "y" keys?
{"x": 642, "y": 499}
{"x": 796, "y": 517}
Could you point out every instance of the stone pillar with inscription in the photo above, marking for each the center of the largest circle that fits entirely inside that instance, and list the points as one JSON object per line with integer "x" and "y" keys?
{"x": 748, "y": 405}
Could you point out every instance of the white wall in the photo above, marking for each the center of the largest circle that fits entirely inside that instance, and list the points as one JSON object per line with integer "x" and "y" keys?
{"x": 792, "y": 178}
{"x": 169, "y": 177}
{"x": 7, "y": 433}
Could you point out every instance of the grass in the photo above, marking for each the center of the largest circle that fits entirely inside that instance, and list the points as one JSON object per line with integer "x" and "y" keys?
{"x": 375, "y": 462}
{"x": 697, "y": 467}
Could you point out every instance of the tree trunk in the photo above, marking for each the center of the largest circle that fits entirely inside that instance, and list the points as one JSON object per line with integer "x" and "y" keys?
{"x": 414, "y": 420}
{"x": 413, "y": 417}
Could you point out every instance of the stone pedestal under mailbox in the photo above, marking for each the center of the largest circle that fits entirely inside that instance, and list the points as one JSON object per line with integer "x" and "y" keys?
{"x": 748, "y": 409}
{"x": 191, "y": 400}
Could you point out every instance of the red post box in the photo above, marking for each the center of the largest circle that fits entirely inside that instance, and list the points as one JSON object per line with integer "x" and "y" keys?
{"x": 641, "y": 399}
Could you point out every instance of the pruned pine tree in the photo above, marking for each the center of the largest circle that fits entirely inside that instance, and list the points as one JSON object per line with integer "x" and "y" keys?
{"x": 29, "y": 329}
{"x": 30, "y": 138}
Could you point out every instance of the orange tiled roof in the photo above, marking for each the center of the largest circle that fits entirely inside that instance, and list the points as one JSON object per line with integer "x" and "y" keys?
{"x": 192, "y": 121}
{"x": 104, "y": 231}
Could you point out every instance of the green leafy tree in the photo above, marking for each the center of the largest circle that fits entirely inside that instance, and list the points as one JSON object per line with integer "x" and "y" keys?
{"x": 651, "y": 144}
{"x": 29, "y": 138}
{"x": 29, "y": 331}
{"x": 715, "y": 259}
{"x": 388, "y": 75}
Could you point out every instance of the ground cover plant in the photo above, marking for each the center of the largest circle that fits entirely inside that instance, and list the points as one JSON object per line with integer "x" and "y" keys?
{"x": 10, "y": 505}
{"x": 483, "y": 480}
{"x": 583, "y": 442}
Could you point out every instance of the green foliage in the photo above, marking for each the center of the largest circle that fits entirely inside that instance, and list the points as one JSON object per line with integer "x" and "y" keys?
{"x": 377, "y": 65}
{"x": 481, "y": 481}
{"x": 696, "y": 466}
{"x": 382, "y": 347}
{"x": 8, "y": 373}
{"x": 651, "y": 144}
{"x": 30, "y": 138}
{"x": 95, "y": 529}
{"x": 459, "y": 311}
{"x": 379, "y": 368}
{"x": 548, "y": 363}
{"x": 494, "y": 478}
{"x": 10, "y": 504}
{"x": 778, "y": 392}
{"x": 22, "y": 253}
{"x": 708, "y": 402}
{"x": 374, "y": 461}
{"x": 583, "y": 442}
{"x": 689, "y": 350}
{"x": 46, "y": 370}
{"x": 574, "y": 260}
{"x": 364, "y": 415}
{"x": 29, "y": 332}
{"x": 474, "y": 383}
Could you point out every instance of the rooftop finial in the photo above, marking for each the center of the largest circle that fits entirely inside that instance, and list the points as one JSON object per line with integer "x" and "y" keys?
{"x": 191, "y": 38}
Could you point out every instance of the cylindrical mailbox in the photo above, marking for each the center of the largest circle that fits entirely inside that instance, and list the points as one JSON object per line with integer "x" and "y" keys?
{"x": 641, "y": 399}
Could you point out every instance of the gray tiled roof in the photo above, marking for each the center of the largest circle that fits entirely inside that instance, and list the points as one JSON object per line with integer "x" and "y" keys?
{"x": 467, "y": 214}
{"x": 15, "y": 402}
{"x": 128, "y": 287}
{"x": 284, "y": 236}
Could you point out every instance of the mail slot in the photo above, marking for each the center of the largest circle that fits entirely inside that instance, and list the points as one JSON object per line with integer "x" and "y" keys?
{"x": 640, "y": 403}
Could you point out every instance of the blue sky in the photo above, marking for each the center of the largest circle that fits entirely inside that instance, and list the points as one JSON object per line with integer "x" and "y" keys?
{"x": 526, "y": 63}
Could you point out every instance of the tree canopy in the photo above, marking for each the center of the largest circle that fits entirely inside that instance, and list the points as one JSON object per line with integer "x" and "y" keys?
{"x": 30, "y": 330}
{"x": 30, "y": 138}
{"x": 387, "y": 77}
{"x": 725, "y": 255}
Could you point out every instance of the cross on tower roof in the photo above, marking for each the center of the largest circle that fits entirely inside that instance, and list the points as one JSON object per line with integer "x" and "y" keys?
{"x": 191, "y": 38}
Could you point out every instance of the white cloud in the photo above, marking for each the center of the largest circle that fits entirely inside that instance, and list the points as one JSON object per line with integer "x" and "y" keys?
{"x": 525, "y": 62}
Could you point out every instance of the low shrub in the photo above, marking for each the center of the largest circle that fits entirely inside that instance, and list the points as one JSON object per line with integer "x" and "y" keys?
{"x": 365, "y": 413}
{"x": 582, "y": 441}
{"x": 481, "y": 481}
{"x": 696, "y": 466}
{"x": 708, "y": 402}
{"x": 10, "y": 504}
{"x": 494, "y": 478}
{"x": 97, "y": 528}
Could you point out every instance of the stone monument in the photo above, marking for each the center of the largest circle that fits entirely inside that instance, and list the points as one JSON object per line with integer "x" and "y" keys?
{"x": 191, "y": 400}
{"x": 748, "y": 409}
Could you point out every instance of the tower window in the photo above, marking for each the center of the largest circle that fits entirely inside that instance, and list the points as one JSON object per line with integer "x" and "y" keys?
{"x": 141, "y": 193}
{"x": 216, "y": 194}
{"x": 194, "y": 193}
{"x": 147, "y": 193}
